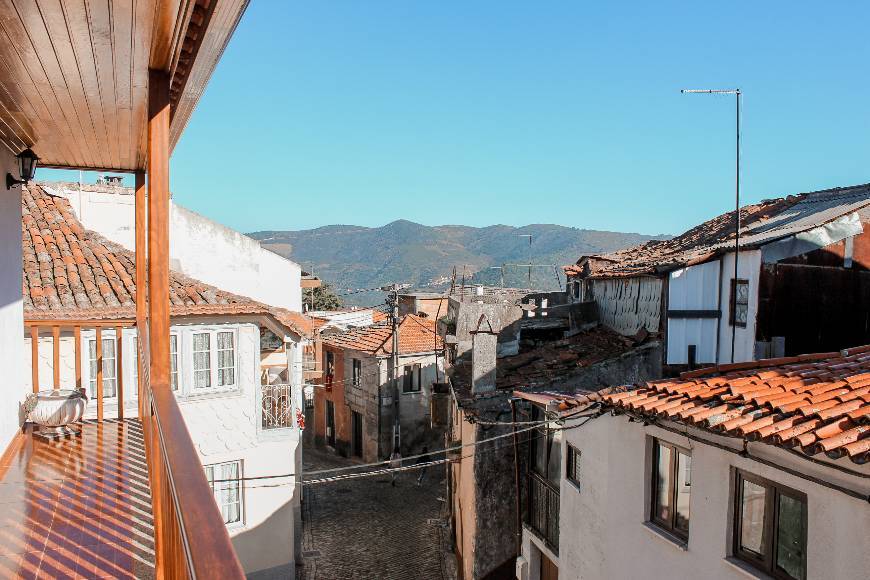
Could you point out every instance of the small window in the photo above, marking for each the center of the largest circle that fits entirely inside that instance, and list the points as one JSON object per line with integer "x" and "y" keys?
{"x": 671, "y": 488}
{"x": 330, "y": 364}
{"x": 357, "y": 372}
{"x": 576, "y": 288}
{"x": 225, "y": 482}
{"x": 739, "y": 302}
{"x": 770, "y": 528}
{"x": 412, "y": 380}
{"x": 110, "y": 381}
{"x": 572, "y": 465}
{"x": 173, "y": 361}
{"x": 202, "y": 360}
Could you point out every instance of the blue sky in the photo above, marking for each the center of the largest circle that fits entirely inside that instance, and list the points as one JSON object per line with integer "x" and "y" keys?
{"x": 512, "y": 112}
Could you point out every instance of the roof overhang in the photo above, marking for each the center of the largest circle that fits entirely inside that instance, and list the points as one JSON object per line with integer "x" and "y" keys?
{"x": 74, "y": 77}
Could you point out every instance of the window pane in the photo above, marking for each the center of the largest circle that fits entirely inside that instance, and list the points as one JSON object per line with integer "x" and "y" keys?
{"x": 791, "y": 537}
{"x": 662, "y": 508}
{"x": 225, "y": 340}
{"x": 554, "y": 469}
{"x": 741, "y": 313}
{"x": 684, "y": 487}
{"x": 201, "y": 342}
{"x": 752, "y": 517}
{"x": 201, "y": 361}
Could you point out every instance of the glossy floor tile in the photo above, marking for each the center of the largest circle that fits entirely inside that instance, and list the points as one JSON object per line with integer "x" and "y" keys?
{"x": 78, "y": 507}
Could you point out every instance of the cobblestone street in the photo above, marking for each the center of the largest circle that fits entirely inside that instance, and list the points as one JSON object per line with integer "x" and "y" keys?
{"x": 365, "y": 528}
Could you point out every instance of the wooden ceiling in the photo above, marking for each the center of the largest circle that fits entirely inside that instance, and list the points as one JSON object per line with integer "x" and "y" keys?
{"x": 74, "y": 73}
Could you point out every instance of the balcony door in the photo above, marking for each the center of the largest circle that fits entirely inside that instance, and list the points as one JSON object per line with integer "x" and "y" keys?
{"x": 330, "y": 423}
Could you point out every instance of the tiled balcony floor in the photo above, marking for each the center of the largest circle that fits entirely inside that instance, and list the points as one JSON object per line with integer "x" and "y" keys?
{"x": 78, "y": 507}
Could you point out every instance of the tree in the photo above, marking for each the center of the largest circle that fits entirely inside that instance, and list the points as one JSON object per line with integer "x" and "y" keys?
{"x": 321, "y": 298}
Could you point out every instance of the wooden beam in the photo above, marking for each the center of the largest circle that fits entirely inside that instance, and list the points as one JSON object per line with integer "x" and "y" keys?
{"x": 141, "y": 250}
{"x": 158, "y": 226}
{"x": 99, "y": 357}
{"x": 119, "y": 368}
{"x": 34, "y": 358}
{"x": 77, "y": 338}
{"x": 55, "y": 359}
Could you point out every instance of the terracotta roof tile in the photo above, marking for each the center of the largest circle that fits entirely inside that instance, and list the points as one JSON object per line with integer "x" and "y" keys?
{"x": 762, "y": 401}
{"x": 73, "y": 273}
{"x": 416, "y": 334}
{"x": 761, "y": 223}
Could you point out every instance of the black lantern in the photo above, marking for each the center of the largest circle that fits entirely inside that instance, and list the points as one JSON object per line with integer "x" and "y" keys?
{"x": 26, "y": 168}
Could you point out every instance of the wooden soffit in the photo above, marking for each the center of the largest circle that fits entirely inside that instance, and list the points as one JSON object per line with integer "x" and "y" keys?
{"x": 74, "y": 73}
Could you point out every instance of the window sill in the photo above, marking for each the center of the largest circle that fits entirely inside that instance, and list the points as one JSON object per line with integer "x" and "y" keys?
{"x": 207, "y": 394}
{"x": 412, "y": 393}
{"x": 667, "y": 537}
{"x": 746, "y": 569}
{"x": 574, "y": 484}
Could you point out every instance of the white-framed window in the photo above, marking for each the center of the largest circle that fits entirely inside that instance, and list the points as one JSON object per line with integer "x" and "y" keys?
{"x": 110, "y": 378}
{"x": 214, "y": 360}
{"x": 225, "y": 481}
{"x": 173, "y": 361}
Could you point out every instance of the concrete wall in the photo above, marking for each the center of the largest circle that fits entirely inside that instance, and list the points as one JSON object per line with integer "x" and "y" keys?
{"x": 11, "y": 306}
{"x": 199, "y": 247}
{"x": 224, "y": 426}
{"x": 464, "y": 493}
{"x": 605, "y": 532}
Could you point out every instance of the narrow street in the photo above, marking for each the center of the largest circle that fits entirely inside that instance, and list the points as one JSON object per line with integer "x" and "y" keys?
{"x": 366, "y": 528}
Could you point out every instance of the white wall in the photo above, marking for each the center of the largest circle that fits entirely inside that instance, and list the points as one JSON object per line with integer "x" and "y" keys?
{"x": 604, "y": 533}
{"x": 224, "y": 426}
{"x": 628, "y": 304}
{"x": 12, "y": 389}
{"x": 198, "y": 247}
{"x": 748, "y": 267}
{"x": 693, "y": 288}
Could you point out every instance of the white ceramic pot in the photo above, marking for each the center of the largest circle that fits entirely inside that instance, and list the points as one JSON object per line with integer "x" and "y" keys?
{"x": 55, "y": 410}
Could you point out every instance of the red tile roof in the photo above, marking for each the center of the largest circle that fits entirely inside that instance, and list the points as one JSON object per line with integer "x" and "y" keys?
{"x": 416, "y": 335}
{"x": 819, "y": 403}
{"x": 761, "y": 223}
{"x": 74, "y": 273}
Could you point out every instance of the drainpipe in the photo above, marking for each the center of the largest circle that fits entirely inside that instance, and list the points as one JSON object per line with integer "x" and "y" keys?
{"x": 519, "y": 522}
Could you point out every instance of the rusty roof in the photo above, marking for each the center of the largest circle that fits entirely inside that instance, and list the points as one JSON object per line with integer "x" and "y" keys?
{"x": 761, "y": 224}
{"x": 416, "y": 335}
{"x": 818, "y": 403}
{"x": 74, "y": 273}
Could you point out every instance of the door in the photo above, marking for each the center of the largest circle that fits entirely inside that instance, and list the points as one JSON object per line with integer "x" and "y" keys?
{"x": 330, "y": 423}
{"x": 357, "y": 429}
{"x": 549, "y": 571}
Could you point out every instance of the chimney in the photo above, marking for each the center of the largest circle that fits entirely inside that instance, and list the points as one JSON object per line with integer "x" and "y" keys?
{"x": 484, "y": 344}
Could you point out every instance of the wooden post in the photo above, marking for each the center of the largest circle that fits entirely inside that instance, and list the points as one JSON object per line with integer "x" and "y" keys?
{"x": 77, "y": 339}
{"x": 55, "y": 359}
{"x": 99, "y": 357}
{"x": 158, "y": 289}
{"x": 158, "y": 226}
{"x": 34, "y": 357}
{"x": 119, "y": 368}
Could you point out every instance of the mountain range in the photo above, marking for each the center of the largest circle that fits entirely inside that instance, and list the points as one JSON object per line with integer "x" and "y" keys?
{"x": 355, "y": 257}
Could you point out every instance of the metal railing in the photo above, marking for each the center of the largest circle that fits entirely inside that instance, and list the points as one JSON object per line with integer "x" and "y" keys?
{"x": 543, "y": 512}
{"x": 277, "y": 407}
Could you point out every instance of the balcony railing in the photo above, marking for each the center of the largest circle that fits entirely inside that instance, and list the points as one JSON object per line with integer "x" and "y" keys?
{"x": 278, "y": 408}
{"x": 543, "y": 512}
{"x": 190, "y": 538}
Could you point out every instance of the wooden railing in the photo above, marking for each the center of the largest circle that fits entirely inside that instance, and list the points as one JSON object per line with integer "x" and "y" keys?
{"x": 191, "y": 540}
{"x": 543, "y": 512}
{"x": 59, "y": 330}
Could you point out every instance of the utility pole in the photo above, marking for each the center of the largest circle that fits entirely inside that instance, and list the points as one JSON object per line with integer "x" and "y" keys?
{"x": 737, "y": 94}
{"x": 393, "y": 303}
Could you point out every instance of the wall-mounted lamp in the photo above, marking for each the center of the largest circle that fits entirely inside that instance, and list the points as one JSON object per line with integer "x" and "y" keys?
{"x": 27, "y": 160}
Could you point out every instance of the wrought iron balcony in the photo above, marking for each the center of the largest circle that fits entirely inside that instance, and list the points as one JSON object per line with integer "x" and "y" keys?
{"x": 277, "y": 407}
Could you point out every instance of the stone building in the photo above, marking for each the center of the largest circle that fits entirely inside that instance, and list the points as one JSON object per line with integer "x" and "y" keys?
{"x": 356, "y": 408}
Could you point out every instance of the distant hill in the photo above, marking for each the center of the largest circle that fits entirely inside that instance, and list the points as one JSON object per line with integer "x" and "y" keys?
{"x": 403, "y": 251}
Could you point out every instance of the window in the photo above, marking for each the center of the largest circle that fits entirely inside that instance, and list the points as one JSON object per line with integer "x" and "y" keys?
{"x": 739, "y": 302}
{"x": 330, "y": 364}
{"x": 173, "y": 361}
{"x": 572, "y": 467}
{"x": 770, "y": 528}
{"x": 413, "y": 378}
{"x": 217, "y": 346}
{"x": 546, "y": 449}
{"x": 225, "y": 482}
{"x": 357, "y": 372}
{"x": 110, "y": 381}
{"x": 671, "y": 488}
{"x": 576, "y": 289}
